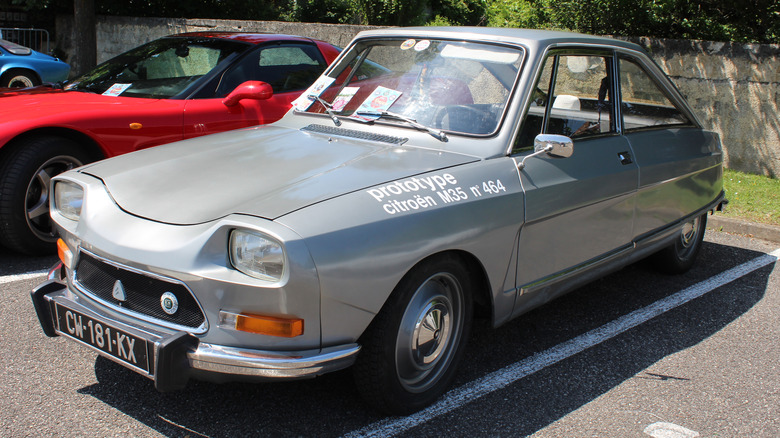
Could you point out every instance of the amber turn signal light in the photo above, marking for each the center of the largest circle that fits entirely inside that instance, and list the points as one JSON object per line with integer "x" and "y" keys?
{"x": 262, "y": 324}
{"x": 65, "y": 254}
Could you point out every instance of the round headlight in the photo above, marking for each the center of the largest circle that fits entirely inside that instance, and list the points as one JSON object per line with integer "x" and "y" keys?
{"x": 257, "y": 255}
{"x": 68, "y": 198}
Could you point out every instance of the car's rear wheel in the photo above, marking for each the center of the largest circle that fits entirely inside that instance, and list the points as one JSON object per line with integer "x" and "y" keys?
{"x": 25, "y": 179}
{"x": 680, "y": 256}
{"x": 412, "y": 348}
{"x": 19, "y": 79}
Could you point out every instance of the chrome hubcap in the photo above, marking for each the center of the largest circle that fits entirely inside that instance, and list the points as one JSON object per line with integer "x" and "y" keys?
{"x": 688, "y": 233}
{"x": 429, "y": 333}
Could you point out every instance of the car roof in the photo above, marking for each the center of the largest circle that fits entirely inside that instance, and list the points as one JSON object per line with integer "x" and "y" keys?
{"x": 533, "y": 38}
{"x": 252, "y": 38}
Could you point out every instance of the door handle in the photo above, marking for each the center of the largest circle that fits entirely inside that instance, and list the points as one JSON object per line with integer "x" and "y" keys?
{"x": 625, "y": 158}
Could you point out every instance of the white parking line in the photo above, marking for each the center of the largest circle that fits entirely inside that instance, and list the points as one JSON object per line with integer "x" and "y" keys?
{"x": 20, "y": 277}
{"x": 510, "y": 374}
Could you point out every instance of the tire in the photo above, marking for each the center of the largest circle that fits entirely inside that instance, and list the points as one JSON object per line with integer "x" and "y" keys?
{"x": 411, "y": 350}
{"x": 25, "y": 176}
{"x": 19, "y": 79}
{"x": 680, "y": 256}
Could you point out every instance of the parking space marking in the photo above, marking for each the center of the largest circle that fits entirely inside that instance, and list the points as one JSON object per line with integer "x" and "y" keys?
{"x": 21, "y": 277}
{"x": 499, "y": 379}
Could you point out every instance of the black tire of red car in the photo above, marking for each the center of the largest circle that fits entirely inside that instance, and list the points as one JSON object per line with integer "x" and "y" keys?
{"x": 17, "y": 78}
{"x": 26, "y": 170}
{"x": 410, "y": 352}
{"x": 680, "y": 256}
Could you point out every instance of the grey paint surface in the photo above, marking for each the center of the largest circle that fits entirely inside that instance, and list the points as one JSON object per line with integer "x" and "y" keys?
{"x": 355, "y": 216}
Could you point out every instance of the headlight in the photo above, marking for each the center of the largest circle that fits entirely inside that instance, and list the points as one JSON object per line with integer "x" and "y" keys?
{"x": 257, "y": 255}
{"x": 68, "y": 198}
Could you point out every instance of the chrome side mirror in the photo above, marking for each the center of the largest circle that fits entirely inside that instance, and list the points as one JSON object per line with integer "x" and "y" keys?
{"x": 560, "y": 145}
{"x": 556, "y": 146}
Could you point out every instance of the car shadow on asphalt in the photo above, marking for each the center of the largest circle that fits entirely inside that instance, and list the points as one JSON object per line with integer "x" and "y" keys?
{"x": 331, "y": 406}
{"x": 13, "y": 263}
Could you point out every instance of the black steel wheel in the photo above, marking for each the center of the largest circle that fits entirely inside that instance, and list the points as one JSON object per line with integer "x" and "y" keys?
{"x": 412, "y": 348}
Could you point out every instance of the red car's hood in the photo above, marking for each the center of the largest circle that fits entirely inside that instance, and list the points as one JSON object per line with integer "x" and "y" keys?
{"x": 42, "y": 103}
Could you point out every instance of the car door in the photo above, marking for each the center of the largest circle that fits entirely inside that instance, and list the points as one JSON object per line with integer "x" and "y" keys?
{"x": 680, "y": 162}
{"x": 578, "y": 210}
{"x": 289, "y": 67}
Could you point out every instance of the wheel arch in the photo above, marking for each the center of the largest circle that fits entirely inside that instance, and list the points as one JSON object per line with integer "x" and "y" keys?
{"x": 480, "y": 283}
{"x": 85, "y": 142}
{"x": 10, "y": 70}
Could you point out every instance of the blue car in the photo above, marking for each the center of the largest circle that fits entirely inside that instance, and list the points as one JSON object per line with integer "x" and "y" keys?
{"x": 24, "y": 67}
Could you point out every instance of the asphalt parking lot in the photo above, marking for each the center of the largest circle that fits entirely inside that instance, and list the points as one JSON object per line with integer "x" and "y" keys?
{"x": 635, "y": 354}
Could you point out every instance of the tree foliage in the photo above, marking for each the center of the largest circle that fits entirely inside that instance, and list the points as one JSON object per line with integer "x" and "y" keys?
{"x": 719, "y": 20}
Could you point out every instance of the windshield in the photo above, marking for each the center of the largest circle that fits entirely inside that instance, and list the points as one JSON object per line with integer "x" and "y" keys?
{"x": 160, "y": 69}
{"x": 445, "y": 85}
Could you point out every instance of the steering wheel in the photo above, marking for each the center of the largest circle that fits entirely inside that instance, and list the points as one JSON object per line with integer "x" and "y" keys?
{"x": 469, "y": 119}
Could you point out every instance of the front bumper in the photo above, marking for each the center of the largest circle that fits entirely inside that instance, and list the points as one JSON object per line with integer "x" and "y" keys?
{"x": 174, "y": 358}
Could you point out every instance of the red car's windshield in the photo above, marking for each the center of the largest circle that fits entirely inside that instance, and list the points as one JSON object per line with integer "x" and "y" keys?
{"x": 160, "y": 69}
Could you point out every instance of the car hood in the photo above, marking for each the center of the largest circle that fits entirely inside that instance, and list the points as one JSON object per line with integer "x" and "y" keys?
{"x": 264, "y": 171}
{"x": 47, "y": 105}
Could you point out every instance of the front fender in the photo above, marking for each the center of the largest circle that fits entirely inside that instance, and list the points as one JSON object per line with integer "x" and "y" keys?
{"x": 364, "y": 242}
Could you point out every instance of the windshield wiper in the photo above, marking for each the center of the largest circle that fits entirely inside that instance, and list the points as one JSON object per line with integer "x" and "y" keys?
{"x": 435, "y": 133}
{"x": 328, "y": 108}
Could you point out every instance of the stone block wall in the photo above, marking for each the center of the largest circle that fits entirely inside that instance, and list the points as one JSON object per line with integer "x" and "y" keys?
{"x": 733, "y": 88}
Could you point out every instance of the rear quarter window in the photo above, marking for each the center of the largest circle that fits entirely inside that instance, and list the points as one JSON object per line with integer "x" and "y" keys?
{"x": 643, "y": 103}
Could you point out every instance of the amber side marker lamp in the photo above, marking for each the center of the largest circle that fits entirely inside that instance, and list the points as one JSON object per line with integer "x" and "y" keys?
{"x": 136, "y": 126}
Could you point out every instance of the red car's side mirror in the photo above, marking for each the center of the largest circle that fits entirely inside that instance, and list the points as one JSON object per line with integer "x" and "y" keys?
{"x": 256, "y": 90}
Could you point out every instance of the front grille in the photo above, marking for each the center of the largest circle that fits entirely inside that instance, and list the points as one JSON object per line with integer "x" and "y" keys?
{"x": 142, "y": 291}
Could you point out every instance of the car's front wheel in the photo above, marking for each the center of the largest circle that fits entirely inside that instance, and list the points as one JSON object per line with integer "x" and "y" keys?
{"x": 680, "y": 256}
{"x": 412, "y": 348}
{"x": 25, "y": 179}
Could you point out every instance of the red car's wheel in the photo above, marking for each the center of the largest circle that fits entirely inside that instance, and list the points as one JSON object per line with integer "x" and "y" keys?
{"x": 25, "y": 179}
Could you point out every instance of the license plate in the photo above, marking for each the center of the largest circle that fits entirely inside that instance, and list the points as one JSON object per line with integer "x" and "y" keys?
{"x": 129, "y": 349}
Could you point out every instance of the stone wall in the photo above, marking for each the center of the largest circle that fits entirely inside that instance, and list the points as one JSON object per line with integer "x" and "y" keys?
{"x": 733, "y": 88}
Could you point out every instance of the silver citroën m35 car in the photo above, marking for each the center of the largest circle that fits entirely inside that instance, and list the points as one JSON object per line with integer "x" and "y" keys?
{"x": 428, "y": 173}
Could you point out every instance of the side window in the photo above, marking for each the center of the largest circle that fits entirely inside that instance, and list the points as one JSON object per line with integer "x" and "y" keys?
{"x": 580, "y": 106}
{"x": 643, "y": 103}
{"x": 572, "y": 97}
{"x": 182, "y": 62}
{"x": 284, "y": 67}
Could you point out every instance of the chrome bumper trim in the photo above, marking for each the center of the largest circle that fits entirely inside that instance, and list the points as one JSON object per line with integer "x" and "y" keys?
{"x": 272, "y": 364}
{"x": 179, "y": 356}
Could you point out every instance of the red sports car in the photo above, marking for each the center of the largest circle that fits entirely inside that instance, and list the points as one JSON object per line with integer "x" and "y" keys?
{"x": 170, "y": 89}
